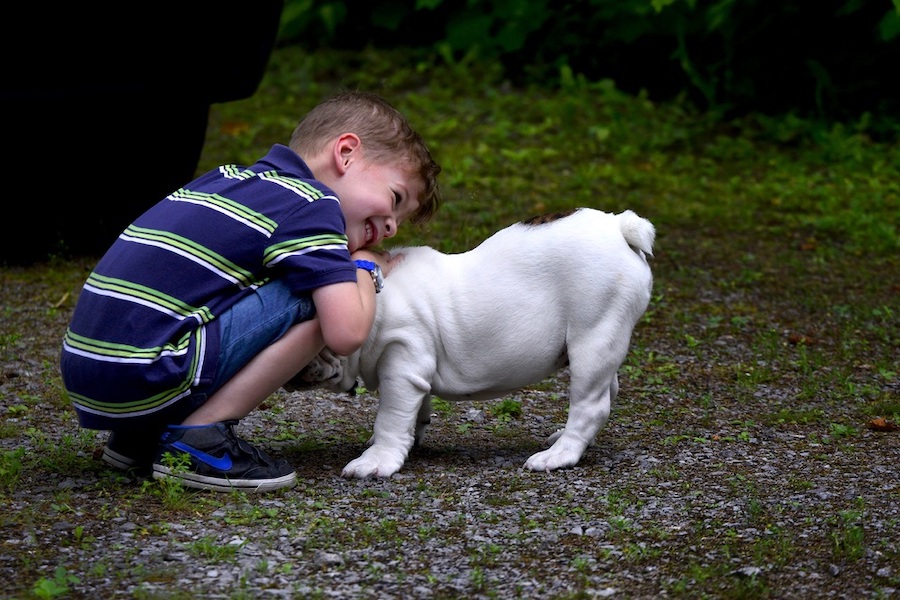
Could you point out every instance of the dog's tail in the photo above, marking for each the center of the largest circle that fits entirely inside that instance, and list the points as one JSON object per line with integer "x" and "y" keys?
{"x": 637, "y": 231}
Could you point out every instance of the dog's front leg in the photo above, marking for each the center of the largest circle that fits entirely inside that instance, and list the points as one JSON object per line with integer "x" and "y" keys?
{"x": 394, "y": 431}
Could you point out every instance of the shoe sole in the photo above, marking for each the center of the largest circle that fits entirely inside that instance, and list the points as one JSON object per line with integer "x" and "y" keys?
{"x": 220, "y": 484}
{"x": 119, "y": 461}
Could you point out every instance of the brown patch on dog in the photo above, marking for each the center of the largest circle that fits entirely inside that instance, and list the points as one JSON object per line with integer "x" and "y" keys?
{"x": 547, "y": 218}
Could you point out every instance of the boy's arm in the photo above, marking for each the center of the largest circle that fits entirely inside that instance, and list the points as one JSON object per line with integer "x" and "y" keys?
{"x": 346, "y": 310}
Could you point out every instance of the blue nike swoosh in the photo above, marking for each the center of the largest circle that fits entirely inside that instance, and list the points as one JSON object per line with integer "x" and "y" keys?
{"x": 222, "y": 464}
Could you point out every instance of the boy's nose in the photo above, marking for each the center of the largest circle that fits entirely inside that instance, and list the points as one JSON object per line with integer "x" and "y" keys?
{"x": 390, "y": 228}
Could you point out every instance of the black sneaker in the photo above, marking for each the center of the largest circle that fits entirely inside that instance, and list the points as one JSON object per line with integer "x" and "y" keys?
{"x": 128, "y": 450}
{"x": 220, "y": 460}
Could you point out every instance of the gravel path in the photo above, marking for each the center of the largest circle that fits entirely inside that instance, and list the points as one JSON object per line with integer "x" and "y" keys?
{"x": 695, "y": 489}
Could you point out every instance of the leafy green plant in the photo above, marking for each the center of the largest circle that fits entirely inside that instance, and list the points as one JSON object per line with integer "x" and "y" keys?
{"x": 56, "y": 586}
{"x": 507, "y": 409}
{"x": 18, "y": 409}
{"x": 173, "y": 493}
{"x": 10, "y": 468}
{"x": 839, "y": 430}
{"x": 463, "y": 428}
{"x": 848, "y": 535}
{"x": 211, "y": 549}
{"x": 439, "y": 405}
{"x": 8, "y": 341}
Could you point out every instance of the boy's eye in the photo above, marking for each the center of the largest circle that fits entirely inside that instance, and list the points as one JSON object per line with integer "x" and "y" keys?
{"x": 397, "y": 199}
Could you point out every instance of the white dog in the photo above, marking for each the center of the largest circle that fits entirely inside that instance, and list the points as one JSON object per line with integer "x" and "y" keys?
{"x": 540, "y": 294}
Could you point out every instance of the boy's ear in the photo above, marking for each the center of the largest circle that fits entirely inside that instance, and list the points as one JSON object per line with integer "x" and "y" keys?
{"x": 346, "y": 150}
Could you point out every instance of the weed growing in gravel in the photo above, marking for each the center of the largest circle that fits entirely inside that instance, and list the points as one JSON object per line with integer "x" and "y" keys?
{"x": 581, "y": 563}
{"x": 17, "y": 410}
{"x": 10, "y": 468}
{"x": 484, "y": 555}
{"x": 463, "y": 428}
{"x": 170, "y": 490}
{"x": 776, "y": 547}
{"x": 478, "y": 578}
{"x": 506, "y": 410}
{"x": 210, "y": 548}
{"x": 887, "y": 408}
{"x": 57, "y": 586}
{"x": 792, "y": 416}
{"x": 839, "y": 430}
{"x": 67, "y": 454}
{"x": 248, "y": 513}
{"x": 441, "y": 406}
{"x": 80, "y": 539}
{"x": 847, "y": 535}
{"x": 8, "y": 341}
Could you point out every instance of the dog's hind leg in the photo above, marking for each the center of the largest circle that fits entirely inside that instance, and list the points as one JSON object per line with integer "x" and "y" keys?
{"x": 613, "y": 392}
{"x": 423, "y": 421}
{"x": 594, "y": 386}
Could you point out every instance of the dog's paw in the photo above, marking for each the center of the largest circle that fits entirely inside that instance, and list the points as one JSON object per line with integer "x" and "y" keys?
{"x": 326, "y": 366}
{"x": 550, "y": 461}
{"x": 376, "y": 461}
{"x": 561, "y": 455}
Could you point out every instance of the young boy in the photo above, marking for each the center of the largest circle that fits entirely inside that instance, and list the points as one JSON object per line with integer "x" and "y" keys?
{"x": 223, "y": 291}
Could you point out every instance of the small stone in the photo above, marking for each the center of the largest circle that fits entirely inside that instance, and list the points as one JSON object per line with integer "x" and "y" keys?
{"x": 747, "y": 571}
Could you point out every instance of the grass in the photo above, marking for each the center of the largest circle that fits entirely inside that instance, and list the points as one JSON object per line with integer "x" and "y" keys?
{"x": 771, "y": 338}
{"x": 588, "y": 144}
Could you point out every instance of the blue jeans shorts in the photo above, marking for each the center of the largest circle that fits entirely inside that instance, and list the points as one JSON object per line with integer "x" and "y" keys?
{"x": 255, "y": 323}
{"x": 245, "y": 330}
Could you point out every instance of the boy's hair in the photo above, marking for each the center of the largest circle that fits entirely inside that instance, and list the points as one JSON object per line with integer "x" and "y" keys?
{"x": 386, "y": 134}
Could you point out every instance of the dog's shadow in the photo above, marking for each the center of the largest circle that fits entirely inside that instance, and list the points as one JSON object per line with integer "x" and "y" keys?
{"x": 336, "y": 427}
{"x": 438, "y": 455}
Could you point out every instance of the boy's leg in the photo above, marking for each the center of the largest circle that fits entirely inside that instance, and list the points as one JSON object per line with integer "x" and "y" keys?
{"x": 246, "y": 330}
{"x": 262, "y": 376}
{"x": 265, "y": 342}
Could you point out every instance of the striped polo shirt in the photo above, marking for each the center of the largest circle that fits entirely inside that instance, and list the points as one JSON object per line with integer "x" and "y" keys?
{"x": 144, "y": 332}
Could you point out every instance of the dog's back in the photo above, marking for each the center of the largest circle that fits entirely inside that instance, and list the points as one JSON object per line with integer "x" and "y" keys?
{"x": 638, "y": 232}
{"x": 582, "y": 253}
{"x": 514, "y": 308}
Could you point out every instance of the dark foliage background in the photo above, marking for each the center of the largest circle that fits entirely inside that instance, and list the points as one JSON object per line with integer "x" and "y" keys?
{"x": 833, "y": 60}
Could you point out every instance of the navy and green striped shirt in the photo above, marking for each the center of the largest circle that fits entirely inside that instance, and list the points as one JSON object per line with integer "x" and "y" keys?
{"x": 142, "y": 334}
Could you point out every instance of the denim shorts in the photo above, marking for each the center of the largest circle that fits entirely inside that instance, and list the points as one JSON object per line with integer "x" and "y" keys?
{"x": 256, "y": 322}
